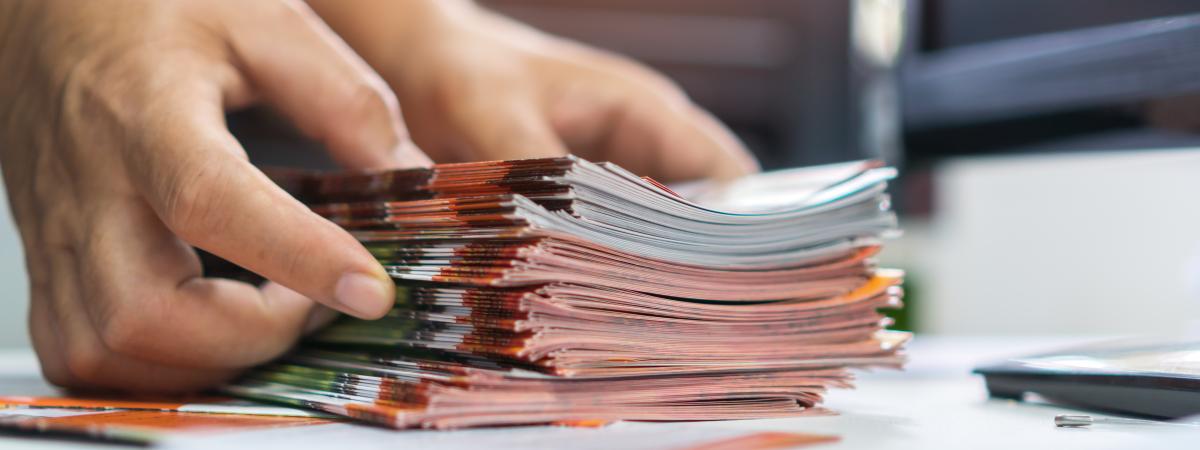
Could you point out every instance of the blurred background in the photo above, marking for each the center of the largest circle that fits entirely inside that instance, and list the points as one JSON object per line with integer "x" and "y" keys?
{"x": 1049, "y": 149}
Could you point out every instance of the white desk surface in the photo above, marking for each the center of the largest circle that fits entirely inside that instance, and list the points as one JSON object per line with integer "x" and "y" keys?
{"x": 936, "y": 403}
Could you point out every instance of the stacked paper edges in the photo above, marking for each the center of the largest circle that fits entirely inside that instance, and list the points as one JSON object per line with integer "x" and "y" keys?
{"x": 558, "y": 291}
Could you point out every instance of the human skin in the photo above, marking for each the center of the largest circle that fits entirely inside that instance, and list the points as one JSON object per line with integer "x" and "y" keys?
{"x": 118, "y": 161}
{"x": 475, "y": 85}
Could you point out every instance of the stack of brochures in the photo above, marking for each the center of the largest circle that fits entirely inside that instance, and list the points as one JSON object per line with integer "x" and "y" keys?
{"x": 561, "y": 291}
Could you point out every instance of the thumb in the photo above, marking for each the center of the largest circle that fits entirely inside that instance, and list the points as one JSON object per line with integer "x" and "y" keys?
{"x": 193, "y": 174}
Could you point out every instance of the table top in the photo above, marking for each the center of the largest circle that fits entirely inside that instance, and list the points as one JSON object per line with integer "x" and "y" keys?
{"x": 935, "y": 403}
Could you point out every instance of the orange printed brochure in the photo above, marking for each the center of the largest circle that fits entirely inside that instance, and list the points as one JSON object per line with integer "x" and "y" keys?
{"x": 142, "y": 421}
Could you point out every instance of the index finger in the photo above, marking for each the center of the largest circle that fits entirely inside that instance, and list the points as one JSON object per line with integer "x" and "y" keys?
{"x": 196, "y": 178}
{"x": 318, "y": 82}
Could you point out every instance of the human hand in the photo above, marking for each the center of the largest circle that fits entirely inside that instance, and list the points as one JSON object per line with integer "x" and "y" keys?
{"x": 116, "y": 158}
{"x": 477, "y": 86}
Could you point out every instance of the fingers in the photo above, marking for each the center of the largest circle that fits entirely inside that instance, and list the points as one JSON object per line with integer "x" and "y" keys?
{"x": 643, "y": 122}
{"x": 673, "y": 141}
{"x": 47, "y": 343}
{"x": 297, "y": 64}
{"x": 693, "y": 135}
{"x": 495, "y": 129}
{"x": 83, "y": 361}
{"x": 172, "y": 314}
{"x": 119, "y": 300}
{"x": 149, "y": 320}
{"x": 45, "y": 331}
{"x": 195, "y": 177}
{"x": 72, "y": 351}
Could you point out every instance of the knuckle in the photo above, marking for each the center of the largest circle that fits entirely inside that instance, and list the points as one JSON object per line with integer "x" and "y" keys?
{"x": 653, "y": 83}
{"x": 473, "y": 114}
{"x": 192, "y": 200}
{"x": 85, "y": 363}
{"x": 295, "y": 261}
{"x": 464, "y": 94}
{"x": 58, "y": 377}
{"x": 127, "y": 330}
{"x": 293, "y": 9}
{"x": 360, "y": 105}
{"x": 640, "y": 78}
{"x": 275, "y": 11}
{"x": 43, "y": 332}
{"x": 665, "y": 89}
{"x": 449, "y": 91}
{"x": 665, "y": 85}
{"x": 365, "y": 100}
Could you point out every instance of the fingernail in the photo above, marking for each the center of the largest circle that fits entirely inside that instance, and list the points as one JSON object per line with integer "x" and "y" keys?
{"x": 362, "y": 295}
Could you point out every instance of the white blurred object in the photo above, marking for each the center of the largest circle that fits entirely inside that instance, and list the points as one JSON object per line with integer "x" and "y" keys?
{"x": 1191, "y": 273}
{"x": 1065, "y": 244}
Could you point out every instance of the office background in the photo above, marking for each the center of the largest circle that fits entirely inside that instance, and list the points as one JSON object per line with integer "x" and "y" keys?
{"x": 1063, "y": 207}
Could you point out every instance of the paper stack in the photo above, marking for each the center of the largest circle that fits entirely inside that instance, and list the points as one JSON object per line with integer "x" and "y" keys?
{"x": 559, "y": 290}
